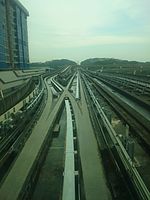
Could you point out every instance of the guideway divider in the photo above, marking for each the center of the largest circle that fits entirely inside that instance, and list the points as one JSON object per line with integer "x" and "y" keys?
{"x": 55, "y": 84}
{"x": 69, "y": 170}
{"x": 77, "y": 88}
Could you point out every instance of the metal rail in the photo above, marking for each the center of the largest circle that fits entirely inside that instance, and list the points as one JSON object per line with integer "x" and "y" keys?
{"x": 58, "y": 88}
{"x": 137, "y": 82}
{"x": 140, "y": 93}
{"x": 135, "y": 177}
{"x": 77, "y": 88}
{"x": 23, "y": 173}
{"x": 69, "y": 171}
{"x": 137, "y": 121}
{"x": 20, "y": 103}
{"x": 7, "y": 145}
{"x": 36, "y": 99}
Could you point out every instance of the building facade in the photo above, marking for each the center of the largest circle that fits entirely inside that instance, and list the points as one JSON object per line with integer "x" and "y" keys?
{"x": 14, "y": 52}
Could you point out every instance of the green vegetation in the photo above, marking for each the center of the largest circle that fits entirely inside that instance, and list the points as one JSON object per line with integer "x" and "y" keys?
{"x": 53, "y": 64}
{"x": 111, "y": 65}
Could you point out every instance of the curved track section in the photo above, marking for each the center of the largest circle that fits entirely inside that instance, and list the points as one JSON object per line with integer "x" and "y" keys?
{"x": 24, "y": 170}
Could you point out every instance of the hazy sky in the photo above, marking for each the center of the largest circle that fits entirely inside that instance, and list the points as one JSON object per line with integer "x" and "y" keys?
{"x": 80, "y": 29}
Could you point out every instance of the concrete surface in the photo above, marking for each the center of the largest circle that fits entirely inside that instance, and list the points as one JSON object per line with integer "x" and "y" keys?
{"x": 93, "y": 173}
{"x": 17, "y": 176}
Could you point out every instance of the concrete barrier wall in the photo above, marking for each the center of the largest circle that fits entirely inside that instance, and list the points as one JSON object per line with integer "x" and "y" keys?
{"x": 17, "y": 96}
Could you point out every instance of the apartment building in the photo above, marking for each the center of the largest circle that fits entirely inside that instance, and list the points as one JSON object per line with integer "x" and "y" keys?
{"x": 14, "y": 52}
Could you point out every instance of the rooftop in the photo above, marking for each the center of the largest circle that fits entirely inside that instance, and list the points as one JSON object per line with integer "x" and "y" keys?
{"x": 22, "y": 7}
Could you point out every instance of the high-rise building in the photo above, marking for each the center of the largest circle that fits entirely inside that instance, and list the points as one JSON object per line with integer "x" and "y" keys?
{"x": 13, "y": 35}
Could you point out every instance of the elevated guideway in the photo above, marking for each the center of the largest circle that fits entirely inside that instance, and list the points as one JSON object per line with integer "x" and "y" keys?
{"x": 22, "y": 177}
{"x": 125, "y": 162}
{"x": 29, "y": 159}
{"x": 94, "y": 180}
{"x": 26, "y": 163}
